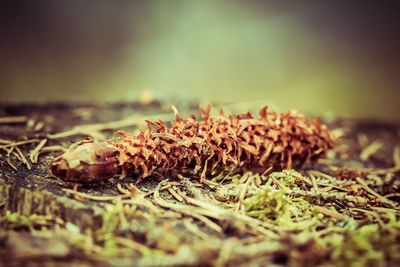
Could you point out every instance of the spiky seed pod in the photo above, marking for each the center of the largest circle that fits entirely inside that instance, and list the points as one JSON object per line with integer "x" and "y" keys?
{"x": 213, "y": 144}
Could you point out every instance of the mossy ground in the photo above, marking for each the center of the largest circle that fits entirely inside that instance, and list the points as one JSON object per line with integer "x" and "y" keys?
{"x": 342, "y": 210}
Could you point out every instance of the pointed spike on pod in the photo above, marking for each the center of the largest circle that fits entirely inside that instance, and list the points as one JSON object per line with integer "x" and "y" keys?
{"x": 222, "y": 112}
{"x": 150, "y": 124}
{"x": 263, "y": 112}
{"x": 122, "y": 133}
{"x": 231, "y": 118}
{"x": 141, "y": 137}
{"x": 205, "y": 113}
{"x": 161, "y": 123}
{"x": 318, "y": 122}
{"x": 161, "y": 127}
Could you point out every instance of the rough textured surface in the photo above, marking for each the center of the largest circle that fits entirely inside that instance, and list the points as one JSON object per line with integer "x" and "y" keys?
{"x": 213, "y": 144}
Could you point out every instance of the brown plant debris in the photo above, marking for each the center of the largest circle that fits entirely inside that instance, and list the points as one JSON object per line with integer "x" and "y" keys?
{"x": 211, "y": 145}
{"x": 350, "y": 174}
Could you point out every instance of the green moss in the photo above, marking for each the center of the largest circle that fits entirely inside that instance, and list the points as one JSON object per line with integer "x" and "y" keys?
{"x": 368, "y": 245}
{"x": 14, "y": 220}
{"x": 268, "y": 204}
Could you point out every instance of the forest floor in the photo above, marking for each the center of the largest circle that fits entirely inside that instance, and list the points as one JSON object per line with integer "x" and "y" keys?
{"x": 342, "y": 210}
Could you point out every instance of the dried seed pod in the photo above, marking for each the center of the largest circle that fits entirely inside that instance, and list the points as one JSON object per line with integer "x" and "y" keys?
{"x": 213, "y": 144}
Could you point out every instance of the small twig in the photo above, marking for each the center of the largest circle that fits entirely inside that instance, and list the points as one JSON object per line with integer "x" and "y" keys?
{"x": 140, "y": 200}
{"x": 130, "y": 243}
{"x": 13, "y": 120}
{"x": 75, "y": 189}
{"x": 372, "y": 192}
{"x": 279, "y": 183}
{"x": 392, "y": 195}
{"x": 314, "y": 182}
{"x": 303, "y": 178}
{"x": 90, "y": 129}
{"x": 396, "y": 156}
{"x": 19, "y": 143}
{"x": 385, "y": 210}
{"x": 122, "y": 190}
{"x": 318, "y": 173}
{"x": 38, "y": 126}
{"x": 217, "y": 212}
{"x": 5, "y": 142}
{"x": 11, "y": 165}
{"x": 370, "y": 150}
{"x": 188, "y": 210}
{"x": 384, "y": 171}
{"x": 243, "y": 193}
{"x": 175, "y": 195}
{"x": 51, "y": 149}
{"x": 162, "y": 188}
{"x": 23, "y": 159}
{"x": 225, "y": 252}
{"x": 16, "y": 155}
{"x": 368, "y": 212}
{"x": 332, "y": 213}
{"x": 192, "y": 227}
{"x": 34, "y": 154}
{"x": 330, "y": 229}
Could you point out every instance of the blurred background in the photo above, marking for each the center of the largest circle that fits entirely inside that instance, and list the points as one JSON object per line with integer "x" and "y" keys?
{"x": 314, "y": 56}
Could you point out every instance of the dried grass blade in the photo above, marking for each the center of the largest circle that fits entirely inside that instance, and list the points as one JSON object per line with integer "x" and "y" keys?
{"x": 34, "y": 154}
{"x": 14, "y": 119}
{"x": 370, "y": 150}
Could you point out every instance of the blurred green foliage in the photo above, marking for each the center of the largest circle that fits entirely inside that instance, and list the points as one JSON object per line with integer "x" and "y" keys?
{"x": 315, "y": 58}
